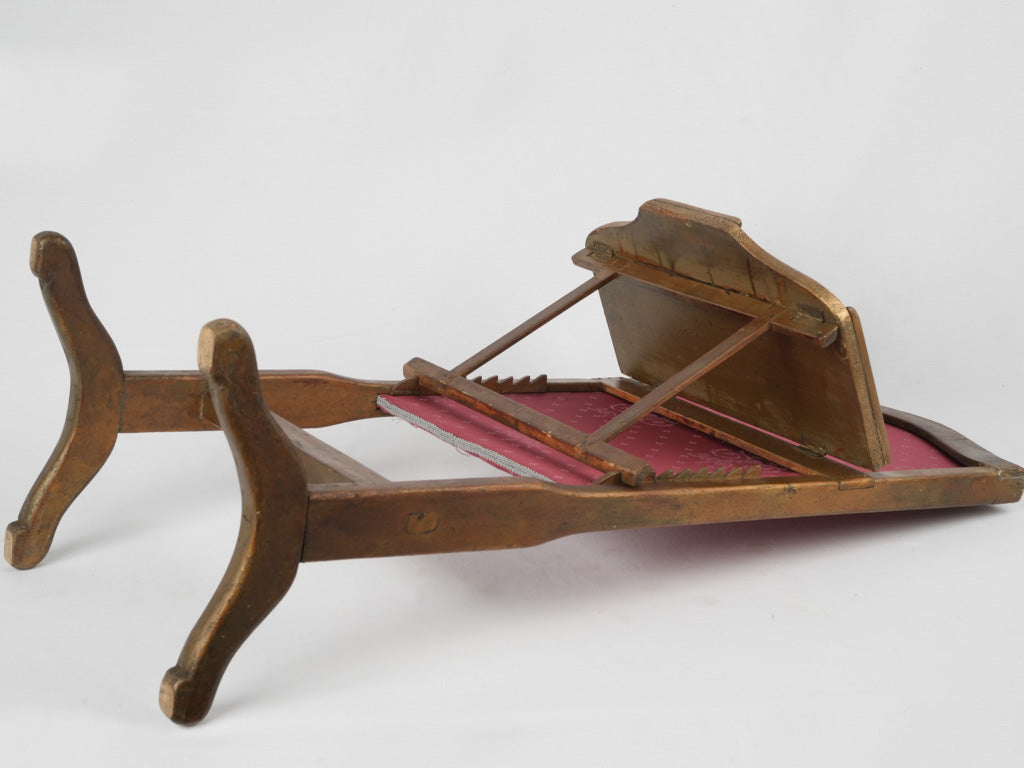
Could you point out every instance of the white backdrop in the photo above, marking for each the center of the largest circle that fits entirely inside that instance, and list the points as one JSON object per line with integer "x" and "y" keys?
{"x": 363, "y": 183}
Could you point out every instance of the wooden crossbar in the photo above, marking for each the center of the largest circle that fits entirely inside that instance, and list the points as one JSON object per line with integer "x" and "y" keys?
{"x": 323, "y": 463}
{"x": 789, "y": 321}
{"x": 593, "y": 449}
{"x": 549, "y": 431}
{"x": 523, "y": 330}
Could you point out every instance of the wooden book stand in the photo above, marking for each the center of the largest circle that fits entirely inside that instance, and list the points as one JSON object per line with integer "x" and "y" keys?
{"x": 747, "y": 394}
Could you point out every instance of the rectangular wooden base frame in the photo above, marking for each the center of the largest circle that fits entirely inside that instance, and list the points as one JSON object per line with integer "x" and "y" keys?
{"x": 710, "y": 331}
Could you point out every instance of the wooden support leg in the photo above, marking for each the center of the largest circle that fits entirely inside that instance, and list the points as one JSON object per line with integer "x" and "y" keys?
{"x": 105, "y": 400}
{"x": 94, "y": 405}
{"x": 274, "y": 502}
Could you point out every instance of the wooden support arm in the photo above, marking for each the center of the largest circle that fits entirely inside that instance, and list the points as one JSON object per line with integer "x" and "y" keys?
{"x": 672, "y": 386}
{"x": 179, "y": 401}
{"x": 523, "y": 330}
{"x": 545, "y": 429}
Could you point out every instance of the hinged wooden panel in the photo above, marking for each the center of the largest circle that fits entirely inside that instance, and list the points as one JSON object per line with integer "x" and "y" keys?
{"x": 785, "y": 382}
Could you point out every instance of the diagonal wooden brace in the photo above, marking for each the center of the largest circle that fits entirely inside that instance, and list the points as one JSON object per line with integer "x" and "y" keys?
{"x": 673, "y": 386}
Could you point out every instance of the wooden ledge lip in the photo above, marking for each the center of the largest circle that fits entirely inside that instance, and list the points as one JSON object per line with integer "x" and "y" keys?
{"x": 788, "y": 321}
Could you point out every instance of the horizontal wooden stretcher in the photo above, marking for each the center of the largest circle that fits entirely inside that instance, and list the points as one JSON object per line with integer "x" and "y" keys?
{"x": 746, "y": 393}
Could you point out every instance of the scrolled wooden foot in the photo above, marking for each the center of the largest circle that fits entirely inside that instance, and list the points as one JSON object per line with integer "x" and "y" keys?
{"x": 274, "y": 501}
{"x": 94, "y": 404}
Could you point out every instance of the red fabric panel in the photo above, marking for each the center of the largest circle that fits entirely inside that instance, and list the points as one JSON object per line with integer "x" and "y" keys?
{"x": 662, "y": 443}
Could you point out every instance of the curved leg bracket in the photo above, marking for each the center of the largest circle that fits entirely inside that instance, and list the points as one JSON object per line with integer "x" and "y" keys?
{"x": 274, "y": 502}
{"x": 94, "y": 405}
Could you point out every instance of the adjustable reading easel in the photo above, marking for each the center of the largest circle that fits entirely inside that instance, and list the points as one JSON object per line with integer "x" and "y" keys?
{"x": 747, "y": 394}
